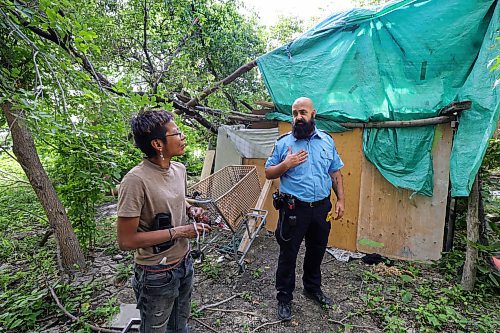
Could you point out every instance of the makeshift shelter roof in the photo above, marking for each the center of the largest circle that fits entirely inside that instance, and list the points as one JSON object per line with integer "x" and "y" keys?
{"x": 402, "y": 61}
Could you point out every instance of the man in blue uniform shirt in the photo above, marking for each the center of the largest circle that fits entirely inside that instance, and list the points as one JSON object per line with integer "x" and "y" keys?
{"x": 308, "y": 166}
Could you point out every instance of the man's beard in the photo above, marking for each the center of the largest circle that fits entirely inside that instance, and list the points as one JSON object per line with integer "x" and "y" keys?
{"x": 302, "y": 129}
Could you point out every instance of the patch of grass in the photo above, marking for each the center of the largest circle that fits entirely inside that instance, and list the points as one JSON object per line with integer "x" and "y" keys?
{"x": 257, "y": 273}
{"x": 195, "y": 310}
{"x": 247, "y": 296}
{"x": 211, "y": 268}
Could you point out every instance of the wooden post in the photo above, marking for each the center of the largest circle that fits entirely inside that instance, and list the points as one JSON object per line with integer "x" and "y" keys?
{"x": 207, "y": 164}
{"x": 471, "y": 255}
{"x": 252, "y": 221}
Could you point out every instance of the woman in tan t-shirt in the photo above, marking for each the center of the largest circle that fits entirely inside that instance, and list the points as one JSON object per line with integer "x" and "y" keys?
{"x": 152, "y": 220}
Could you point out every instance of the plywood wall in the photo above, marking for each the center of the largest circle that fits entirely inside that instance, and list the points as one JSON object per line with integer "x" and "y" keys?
{"x": 349, "y": 146}
{"x": 376, "y": 211}
{"x": 392, "y": 224}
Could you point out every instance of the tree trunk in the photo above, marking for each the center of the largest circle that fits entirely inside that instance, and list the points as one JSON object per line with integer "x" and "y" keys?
{"x": 470, "y": 266}
{"x": 70, "y": 255}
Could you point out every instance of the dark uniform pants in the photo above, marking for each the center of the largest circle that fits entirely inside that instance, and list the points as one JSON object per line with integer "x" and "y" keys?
{"x": 310, "y": 224}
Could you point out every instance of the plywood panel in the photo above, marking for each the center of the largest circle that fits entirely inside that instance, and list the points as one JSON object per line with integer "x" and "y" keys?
{"x": 405, "y": 228}
{"x": 349, "y": 146}
{"x": 207, "y": 164}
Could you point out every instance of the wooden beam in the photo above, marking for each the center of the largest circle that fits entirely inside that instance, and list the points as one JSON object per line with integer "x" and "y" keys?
{"x": 245, "y": 241}
{"x": 400, "y": 123}
{"x": 471, "y": 255}
{"x": 207, "y": 164}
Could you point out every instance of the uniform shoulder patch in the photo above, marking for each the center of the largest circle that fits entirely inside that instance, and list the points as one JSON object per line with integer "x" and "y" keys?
{"x": 283, "y": 135}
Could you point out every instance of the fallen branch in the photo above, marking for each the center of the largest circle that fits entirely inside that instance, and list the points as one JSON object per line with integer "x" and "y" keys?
{"x": 352, "y": 314}
{"x": 74, "y": 318}
{"x": 267, "y": 324}
{"x": 233, "y": 310}
{"x": 218, "y": 303}
{"x": 207, "y": 326}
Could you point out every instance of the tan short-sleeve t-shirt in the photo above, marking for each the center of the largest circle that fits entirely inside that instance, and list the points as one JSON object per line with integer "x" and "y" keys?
{"x": 147, "y": 190}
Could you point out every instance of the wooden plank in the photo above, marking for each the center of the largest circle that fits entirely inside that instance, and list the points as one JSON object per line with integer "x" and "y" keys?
{"x": 207, "y": 164}
{"x": 349, "y": 146}
{"x": 245, "y": 241}
{"x": 343, "y": 234}
{"x": 405, "y": 228}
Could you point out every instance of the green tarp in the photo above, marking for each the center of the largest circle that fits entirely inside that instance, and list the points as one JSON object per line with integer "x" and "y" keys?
{"x": 404, "y": 61}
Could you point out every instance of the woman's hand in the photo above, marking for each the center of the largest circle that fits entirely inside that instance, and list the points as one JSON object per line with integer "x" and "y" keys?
{"x": 189, "y": 230}
{"x": 198, "y": 214}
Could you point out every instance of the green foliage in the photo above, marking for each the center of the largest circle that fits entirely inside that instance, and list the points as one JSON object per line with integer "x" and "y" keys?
{"x": 492, "y": 156}
{"x": 211, "y": 268}
{"x": 284, "y": 31}
{"x": 428, "y": 305}
{"x": 195, "y": 312}
{"x": 247, "y": 296}
{"x": 123, "y": 273}
{"x": 257, "y": 273}
{"x": 26, "y": 267}
{"x": 80, "y": 129}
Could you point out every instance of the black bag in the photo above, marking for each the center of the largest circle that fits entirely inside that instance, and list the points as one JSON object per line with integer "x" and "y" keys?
{"x": 277, "y": 200}
{"x": 163, "y": 221}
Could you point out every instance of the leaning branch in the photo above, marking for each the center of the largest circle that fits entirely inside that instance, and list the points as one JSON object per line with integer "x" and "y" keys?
{"x": 227, "y": 80}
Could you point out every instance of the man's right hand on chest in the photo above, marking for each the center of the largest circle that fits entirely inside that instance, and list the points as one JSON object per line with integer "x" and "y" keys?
{"x": 293, "y": 159}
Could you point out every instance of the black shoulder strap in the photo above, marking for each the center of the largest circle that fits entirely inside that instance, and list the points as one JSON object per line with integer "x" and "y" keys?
{"x": 324, "y": 131}
{"x": 283, "y": 135}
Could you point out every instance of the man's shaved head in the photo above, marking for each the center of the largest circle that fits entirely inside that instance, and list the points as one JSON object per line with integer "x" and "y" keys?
{"x": 305, "y": 101}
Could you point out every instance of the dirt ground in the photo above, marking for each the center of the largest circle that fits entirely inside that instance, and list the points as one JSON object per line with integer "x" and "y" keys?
{"x": 254, "y": 307}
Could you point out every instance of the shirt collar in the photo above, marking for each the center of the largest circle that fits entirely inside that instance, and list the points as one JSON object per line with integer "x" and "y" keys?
{"x": 155, "y": 167}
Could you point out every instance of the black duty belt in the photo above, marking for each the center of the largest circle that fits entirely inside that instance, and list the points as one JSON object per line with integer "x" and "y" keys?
{"x": 312, "y": 204}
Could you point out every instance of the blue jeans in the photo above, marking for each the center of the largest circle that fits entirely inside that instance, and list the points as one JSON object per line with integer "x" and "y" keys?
{"x": 164, "y": 298}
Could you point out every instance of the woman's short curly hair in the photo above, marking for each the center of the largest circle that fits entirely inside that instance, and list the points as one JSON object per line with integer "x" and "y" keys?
{"x": 149, "y": 125}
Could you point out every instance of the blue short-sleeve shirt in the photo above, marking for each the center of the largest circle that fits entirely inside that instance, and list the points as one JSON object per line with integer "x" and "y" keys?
{"x": 309, "y": 181}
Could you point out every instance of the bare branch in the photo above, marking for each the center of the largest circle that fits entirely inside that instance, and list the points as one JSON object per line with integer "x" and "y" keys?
{"x": 145, "y": 39}
{"x": 166, "y": 66}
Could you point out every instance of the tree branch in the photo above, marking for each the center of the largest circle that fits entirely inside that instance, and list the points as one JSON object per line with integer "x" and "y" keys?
{"x": 227, "y": 80}
{"x": 183, "y": 42}
{"x": 145, "y": 40}
{"x": 105, "y": 84}
{"x": 74, "y": 318}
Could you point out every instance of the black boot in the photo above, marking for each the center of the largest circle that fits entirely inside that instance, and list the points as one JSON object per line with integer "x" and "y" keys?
{"x": 319, "y": 297}
{"x": 285, "y": 310}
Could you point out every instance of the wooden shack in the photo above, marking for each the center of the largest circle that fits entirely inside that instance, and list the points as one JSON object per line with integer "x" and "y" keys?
{"x": 379, "y": 218}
